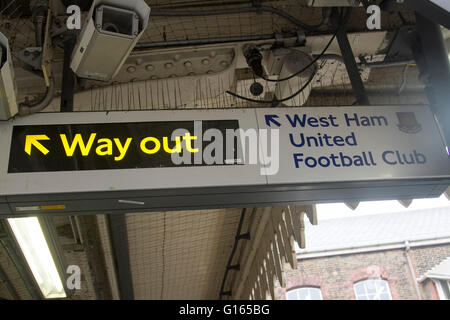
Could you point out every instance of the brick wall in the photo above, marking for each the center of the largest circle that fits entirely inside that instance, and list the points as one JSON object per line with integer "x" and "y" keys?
{"x": 423, "y": 259}
{"x": 335, "y": 275}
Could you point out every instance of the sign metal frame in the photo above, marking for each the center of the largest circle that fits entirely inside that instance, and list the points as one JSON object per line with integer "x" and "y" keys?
{"x": 207, "y": 187}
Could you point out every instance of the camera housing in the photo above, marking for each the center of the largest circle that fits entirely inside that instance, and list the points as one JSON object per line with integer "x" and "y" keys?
{"x": 109, "y": 35}
{"x": 8, "y": 88}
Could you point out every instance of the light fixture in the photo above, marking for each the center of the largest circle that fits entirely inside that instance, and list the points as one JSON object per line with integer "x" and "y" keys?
{"x": 30, "y": 237}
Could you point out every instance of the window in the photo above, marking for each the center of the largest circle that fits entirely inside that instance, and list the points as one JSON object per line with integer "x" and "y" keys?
{"x": 305, "y": 293}
{"x": 443, "y": 289}
{"x": 372, "y": 289}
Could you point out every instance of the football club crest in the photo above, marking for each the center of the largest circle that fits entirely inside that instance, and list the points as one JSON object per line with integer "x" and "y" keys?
{"x": 407, "y": 122}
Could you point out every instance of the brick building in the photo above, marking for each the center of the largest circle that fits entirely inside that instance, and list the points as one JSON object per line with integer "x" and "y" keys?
{"x": 404, "y": 255}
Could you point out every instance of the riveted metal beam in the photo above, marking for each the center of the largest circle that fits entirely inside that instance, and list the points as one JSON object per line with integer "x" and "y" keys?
{"x": 120, "y": 246}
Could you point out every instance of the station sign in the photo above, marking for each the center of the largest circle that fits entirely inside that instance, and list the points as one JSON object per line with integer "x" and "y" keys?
{"x": 219, "y": 158}
{"x": 356, "y": 144}
{"x": 100, "y": 146}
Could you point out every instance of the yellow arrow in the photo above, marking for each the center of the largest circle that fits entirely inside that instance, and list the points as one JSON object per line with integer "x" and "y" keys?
{"x": 34, "y": 141}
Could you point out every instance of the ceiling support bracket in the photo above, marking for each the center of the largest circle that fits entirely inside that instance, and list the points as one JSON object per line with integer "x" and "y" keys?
{"x": 119, "y": 237}
{"x": 349, "y": 60}
{"x": 68, "y": 77}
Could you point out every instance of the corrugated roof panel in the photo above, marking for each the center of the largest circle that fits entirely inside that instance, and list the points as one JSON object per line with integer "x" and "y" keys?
{"x": 180, "y": 255}
{"x": 378, "y": 229}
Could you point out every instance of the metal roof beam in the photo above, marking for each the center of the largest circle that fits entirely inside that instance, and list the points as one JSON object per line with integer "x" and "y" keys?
{"x": 120, "y": 246}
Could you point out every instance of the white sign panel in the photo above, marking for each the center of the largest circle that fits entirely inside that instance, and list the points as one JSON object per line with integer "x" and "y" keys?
{"x": 134, "y": 160}
{"x": 356, "y": 144}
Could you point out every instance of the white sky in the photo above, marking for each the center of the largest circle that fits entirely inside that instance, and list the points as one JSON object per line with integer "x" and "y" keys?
{"x": 340, "y": 210}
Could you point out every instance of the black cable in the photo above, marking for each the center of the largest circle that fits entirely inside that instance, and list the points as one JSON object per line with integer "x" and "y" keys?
{"x": 230, "y": 260}
{"x": 275, "y": 101}
{"x": 304, "y": 68}
{"x": 341, "y": 24}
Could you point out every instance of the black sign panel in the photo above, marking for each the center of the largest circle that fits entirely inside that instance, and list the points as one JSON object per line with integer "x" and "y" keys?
{"x": 73, "y": 147}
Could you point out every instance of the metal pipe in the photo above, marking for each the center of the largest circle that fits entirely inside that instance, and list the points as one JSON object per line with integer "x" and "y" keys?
{"x": 281, "y": 13}
{"x": 39, "y": 11}
{"x": 376, "y": 64}
{"x": 38, "y": 22}
{"x": 307, "y": 254}
{"x": 386, "y": 64}
{"x": 194, "y": 42}
{"x": 25, "y": 109}
{"x": 411, "y": 270}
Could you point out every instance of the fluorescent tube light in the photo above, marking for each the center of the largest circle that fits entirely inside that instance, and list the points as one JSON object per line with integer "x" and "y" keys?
{"x": 31, "y": 239}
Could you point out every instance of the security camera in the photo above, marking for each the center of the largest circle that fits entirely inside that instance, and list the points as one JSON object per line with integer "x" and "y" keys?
{"x": 8, "y": 89}
{"x": 109, "y": 35}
